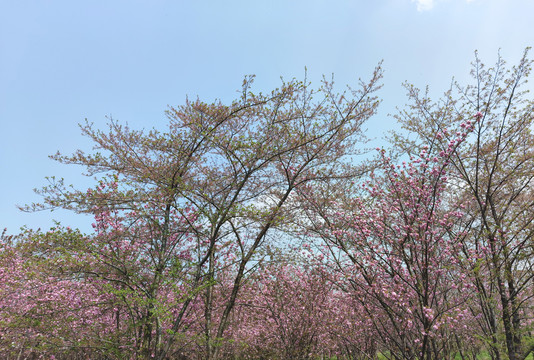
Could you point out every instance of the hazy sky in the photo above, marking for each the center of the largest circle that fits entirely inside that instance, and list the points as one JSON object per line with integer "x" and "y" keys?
{"x": 64, "y": 61}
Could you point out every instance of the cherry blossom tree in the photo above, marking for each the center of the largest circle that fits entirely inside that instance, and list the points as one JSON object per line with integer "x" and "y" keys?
{"x": 221, "y": 177}
{"x": 393, "y": 241}
{"x": 44, "y": 308}
{"x": 493, "y": 179}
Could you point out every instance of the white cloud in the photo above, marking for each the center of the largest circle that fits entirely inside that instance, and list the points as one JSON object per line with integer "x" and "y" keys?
{"x": 423, "y": 5}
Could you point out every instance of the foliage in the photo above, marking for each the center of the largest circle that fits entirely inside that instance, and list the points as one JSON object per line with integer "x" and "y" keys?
{"x": 246, "y": 231}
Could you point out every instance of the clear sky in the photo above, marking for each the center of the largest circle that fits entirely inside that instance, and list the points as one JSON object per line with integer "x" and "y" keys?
{"x": 64, "y": 61}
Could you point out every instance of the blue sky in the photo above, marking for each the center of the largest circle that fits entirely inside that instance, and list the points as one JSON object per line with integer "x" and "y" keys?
{"x": 64, "y": 61}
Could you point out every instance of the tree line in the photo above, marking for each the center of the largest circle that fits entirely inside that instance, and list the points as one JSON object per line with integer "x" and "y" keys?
{"x": 249, "y": 231}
